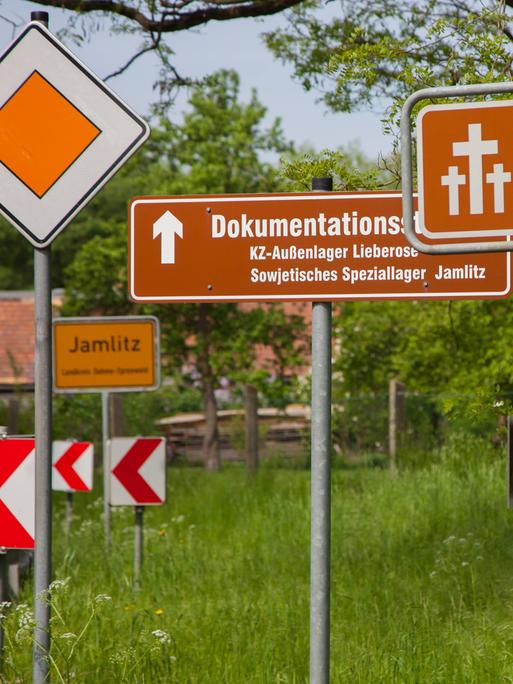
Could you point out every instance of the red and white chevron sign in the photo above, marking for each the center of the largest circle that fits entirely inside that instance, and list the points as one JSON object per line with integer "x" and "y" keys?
{"x": 17, "y": 493}
{"x": 137, "y": 471}
{"x": 72, "y": 466}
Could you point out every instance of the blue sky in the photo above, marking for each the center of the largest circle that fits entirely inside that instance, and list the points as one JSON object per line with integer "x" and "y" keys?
{"x": 231, "y": 44}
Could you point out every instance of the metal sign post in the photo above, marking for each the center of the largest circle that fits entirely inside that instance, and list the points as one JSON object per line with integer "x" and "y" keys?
{"x": 320, "y": 520}
{"x": 43, "y": 438}
{"x": 43, "y": 435}
{"x": 107, "y": 517}
{"x": 138, "y": 545}
{"x": 137, "y": 468}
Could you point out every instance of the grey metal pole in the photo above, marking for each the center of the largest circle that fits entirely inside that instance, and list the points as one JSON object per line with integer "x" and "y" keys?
{"x": 107, "y": 521}
{"x": 43, "y": 447}
{"x": 43, "y": 434}
{"x": 138, "y": 545}
{"x": 320, "y": 520}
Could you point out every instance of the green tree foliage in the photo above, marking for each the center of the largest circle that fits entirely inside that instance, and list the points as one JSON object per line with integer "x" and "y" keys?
{"x": 220, "y": 145}
{"x": 348, "y": 169}
{"x": 455, "y": 356}
{"x": 17, "y": 262}
{"x": 374, "y": 52}
{"x": 368, "y": 53}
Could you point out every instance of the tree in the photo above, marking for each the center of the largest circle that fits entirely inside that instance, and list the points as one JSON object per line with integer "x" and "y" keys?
{"x": 152, "y": 20}
{"x": 454, "y": 356}
{"x": 16, "y": 269}
{"x": 376, "y": 52}
{"x": 216, "y": 148}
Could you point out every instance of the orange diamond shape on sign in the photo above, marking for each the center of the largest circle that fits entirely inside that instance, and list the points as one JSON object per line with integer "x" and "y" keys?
{"x": 42, "y": 134}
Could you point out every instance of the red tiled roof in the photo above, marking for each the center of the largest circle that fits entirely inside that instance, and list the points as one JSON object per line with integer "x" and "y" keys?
{"x": 17, "y": 341}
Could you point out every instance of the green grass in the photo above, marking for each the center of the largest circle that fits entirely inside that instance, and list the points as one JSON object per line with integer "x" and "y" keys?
{"x": 422, "y": 577}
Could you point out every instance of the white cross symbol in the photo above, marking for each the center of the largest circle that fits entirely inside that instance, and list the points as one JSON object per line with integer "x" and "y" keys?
{"x": 475, "y": 148}
{"x": 454, "y": 179}
{"x": 499, "y": 177}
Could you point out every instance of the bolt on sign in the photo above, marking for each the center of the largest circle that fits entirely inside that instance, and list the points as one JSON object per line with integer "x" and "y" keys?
{"x": 72, "y": 463}
{"x": 137, "y": 471}
{"x": 119, "y": 354}
{"x": 308, "y": 246}
{"x": 17, "y": 493}
{"x": 465, "y": 167}
{"x": 63, "y": 134}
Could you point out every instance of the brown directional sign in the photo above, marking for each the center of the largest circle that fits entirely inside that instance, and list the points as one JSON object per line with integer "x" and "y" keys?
{"x": 282, "y": 247}
{"x": 101, "y": 354}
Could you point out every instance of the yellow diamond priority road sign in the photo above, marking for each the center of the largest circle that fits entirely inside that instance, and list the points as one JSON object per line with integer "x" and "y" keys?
{"x": 63, "y": 134}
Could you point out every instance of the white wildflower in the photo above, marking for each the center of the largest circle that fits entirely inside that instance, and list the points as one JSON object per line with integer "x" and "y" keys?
{"x": 161, "y": 636}
{"x": 102, "y": 598}
{"x": 58, "y": 584}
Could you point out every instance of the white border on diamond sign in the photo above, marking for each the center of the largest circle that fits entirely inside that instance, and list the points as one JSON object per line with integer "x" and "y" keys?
{"x": 420, "y": 176}
{"x": 289, "y": 297}
{"x": 122, "y": 132}
{"x": 112, "y": 319}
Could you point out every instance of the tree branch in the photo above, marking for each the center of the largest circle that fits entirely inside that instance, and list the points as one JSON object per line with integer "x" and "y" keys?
{"x": 206, "y": 11}
{"x": 122, "y": 69}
